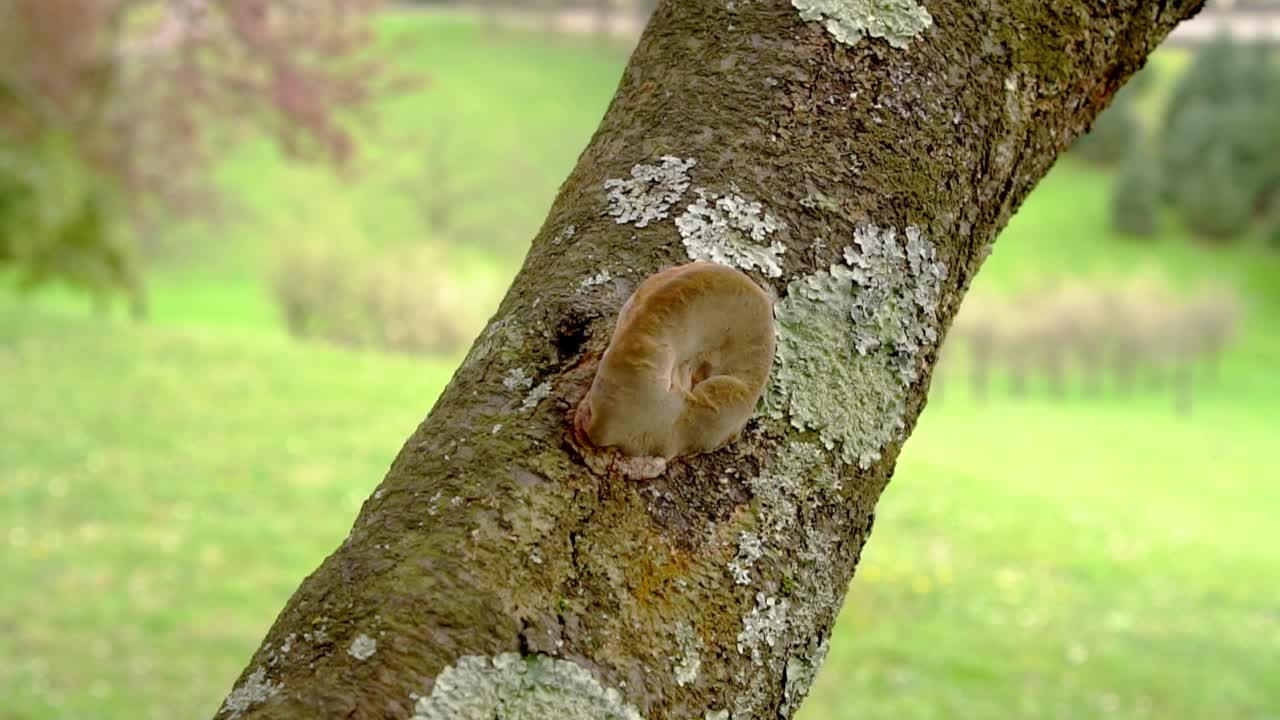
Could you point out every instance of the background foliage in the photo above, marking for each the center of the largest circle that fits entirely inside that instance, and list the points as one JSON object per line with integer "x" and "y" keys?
{"x": 1210, "y": 151}
{"x": 111, "y": 111}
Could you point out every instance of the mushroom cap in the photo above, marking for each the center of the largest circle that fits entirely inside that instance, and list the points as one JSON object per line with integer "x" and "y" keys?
{"x": 687, "y": 363}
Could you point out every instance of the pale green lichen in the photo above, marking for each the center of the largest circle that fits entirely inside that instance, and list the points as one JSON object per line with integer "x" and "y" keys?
{"x": 899, "y": 288}
{"x": 650, "y": 191}
{"x": 502, "y": 335}
{"x": 851, "y": 342}
{"x": 362, "y": 647}
{"x": 511, "y": 687}
{"x": 286, "y": 646}
{"x": 800, "y": 474}
{"x": 732, "y": 230}
{"x": 689, "y": 664}
{"x": 789, "y": 496}
{"x": 716, "y": 715}
{"x": 750, "y": 549}
{"x": 254, "y": 690}
{"x": 763, "y": 626}
{"x": 816, "y": 200}
{"x": 517, "y": 379}
{"x": 849, "y": 21}
{"x": 800, "y": 672}
{"x": 540, "y": 392}
{"x": 599, "y": 278}
{"x": 799, "y": 478}
{"x": 566, "y": 234}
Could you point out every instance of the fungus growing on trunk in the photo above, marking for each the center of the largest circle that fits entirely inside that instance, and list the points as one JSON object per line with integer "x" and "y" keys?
{"x": 686, "y": 365}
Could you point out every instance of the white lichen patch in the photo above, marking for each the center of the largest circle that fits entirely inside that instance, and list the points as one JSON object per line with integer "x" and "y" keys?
{"x": 566, "y": 234}
{"x": 255, "y": 689}
{"x": 799, "y": 473}
{"x": 732, "y": 230}
{"x": 800, "y": 672}
{"x": 851, "y": 342}
{"x": 287, "y": 645}
{"x": 643, "y": 467}
{"x": 363, "y": 647}
{"x": 517, "y": 379}
{"x": 750, "y": 549}
{"x": 792, "y": 496}
{"x": 511, "y": 687}
{"x": 763, "y": 626}
{"x": 650, "y": 192}
{"x": 849, "y": 21}
{"x": 281, "y": 653}
{"x": 689, "y": 664}
{"x": 716, "y": 715}
{"x": 898, "y": 294}
{"x": 539, "y": 393}
{"x": 599, "y": 278}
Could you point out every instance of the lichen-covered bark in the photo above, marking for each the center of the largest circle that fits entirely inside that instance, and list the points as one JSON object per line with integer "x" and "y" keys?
{"x": 493, "y": 573}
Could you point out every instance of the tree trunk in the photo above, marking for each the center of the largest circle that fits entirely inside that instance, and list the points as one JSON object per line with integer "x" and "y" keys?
{"x": 493, "y": 574}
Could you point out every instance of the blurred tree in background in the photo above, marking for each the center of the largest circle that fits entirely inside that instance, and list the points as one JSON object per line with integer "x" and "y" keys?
{"x": 111, "y": 109}
{"x": 1117, "y": 128}
{"x": 1218, "y": 147}
{"x": 1213, "y": 77}
{"x": 397, "y": 301}
{"x": 1135, "y": 203}
{"x": 1208, "y": 159}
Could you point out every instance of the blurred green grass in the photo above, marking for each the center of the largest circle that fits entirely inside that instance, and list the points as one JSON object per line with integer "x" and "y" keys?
{"x": 163, "y": 488}
{"x": 163, "y": 491}
{"x": 1069, "y": 561}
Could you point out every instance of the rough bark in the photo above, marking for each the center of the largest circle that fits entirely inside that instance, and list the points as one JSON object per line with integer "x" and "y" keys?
{"x": 710, "y": 590}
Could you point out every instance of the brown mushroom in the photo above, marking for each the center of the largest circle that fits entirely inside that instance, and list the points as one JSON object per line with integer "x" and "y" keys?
{"x": 686, "y": 365}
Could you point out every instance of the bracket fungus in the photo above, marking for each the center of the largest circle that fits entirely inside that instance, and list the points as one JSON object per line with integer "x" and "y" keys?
{"x": 687, "y": 363}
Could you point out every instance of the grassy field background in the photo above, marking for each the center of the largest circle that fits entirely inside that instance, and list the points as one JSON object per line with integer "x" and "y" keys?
{"x": 164, "y": 487}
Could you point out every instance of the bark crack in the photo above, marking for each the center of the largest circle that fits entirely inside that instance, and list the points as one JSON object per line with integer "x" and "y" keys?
{"x": 523, "y": 639}
{"x": 572, "y": 331}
